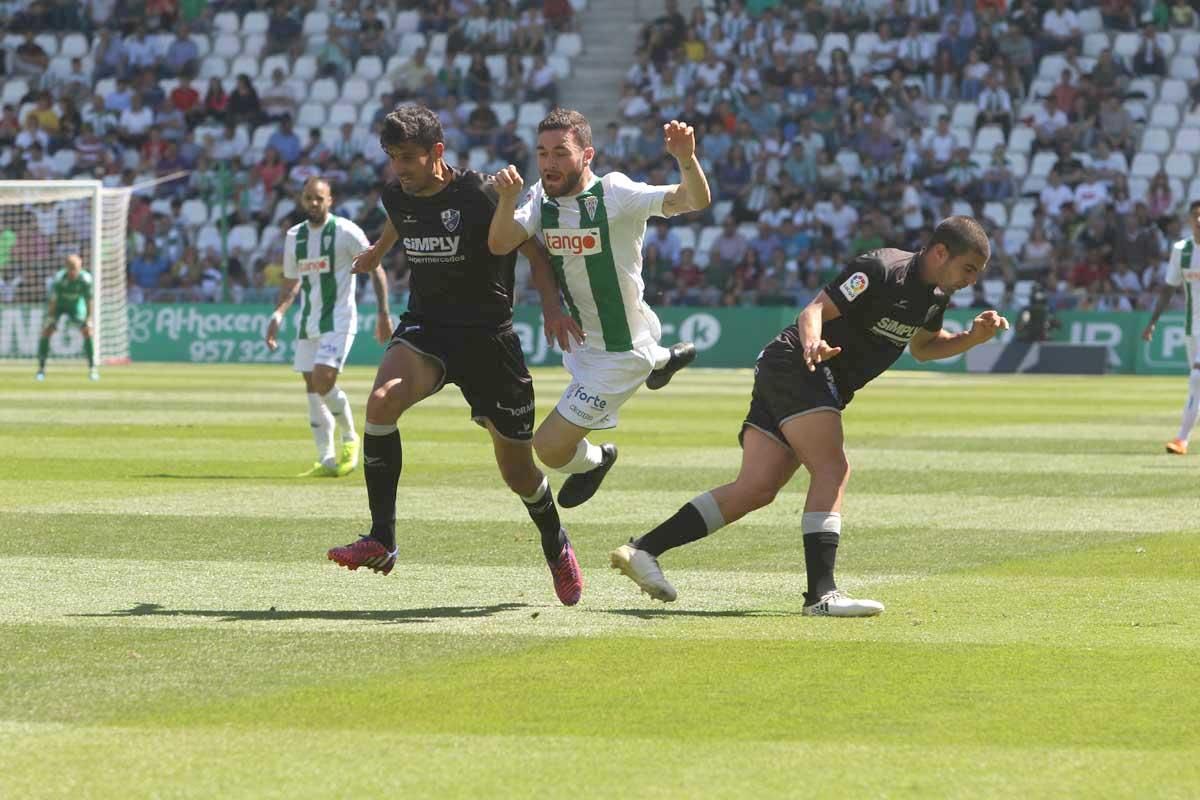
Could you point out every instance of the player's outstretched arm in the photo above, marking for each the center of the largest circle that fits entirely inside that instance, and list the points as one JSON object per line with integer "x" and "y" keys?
{"x": 505, "y": 234}
{"x": 287, "y": 293}
{"x": 810, "y": 323}
{"x": 558, "y": 326}
{"x": 1160, "y": 305}
{"x": 383, "y": 314}
{"x": 692, "y": 193}
{"x": 929, "y": 346}
{"x": 370, "y": 259}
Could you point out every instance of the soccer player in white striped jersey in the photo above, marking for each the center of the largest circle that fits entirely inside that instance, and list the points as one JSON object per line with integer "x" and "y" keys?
{"x": 593, "y": 227}
{"x": 1183, "y": 269}
{"x": 318, "y": 259}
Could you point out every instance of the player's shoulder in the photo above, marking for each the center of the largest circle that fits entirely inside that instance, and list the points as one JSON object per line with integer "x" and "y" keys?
{"x": 619, "y": 182}
{"x": 60, "y": 276}
{"x": 292, "y": 231}
{"x": 886, "y": 260}
{"x": 346, "y": 224}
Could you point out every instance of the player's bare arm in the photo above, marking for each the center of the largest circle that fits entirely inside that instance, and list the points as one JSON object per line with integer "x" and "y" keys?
{"x": 820, "y": 310}
{"x": 287, "y": 293}
{"x": 558, "y": 325}
{"x": 383, "y": 314}
{"x": 1160, "y": 305}
{"x": 929, "y": 346}
{"x": 505, "y": 234}
{"x": 692, "y": 192}
{"x": 370, "y": 259}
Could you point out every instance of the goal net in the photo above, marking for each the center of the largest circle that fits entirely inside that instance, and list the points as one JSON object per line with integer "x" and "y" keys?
{"x": 41, "y": 223}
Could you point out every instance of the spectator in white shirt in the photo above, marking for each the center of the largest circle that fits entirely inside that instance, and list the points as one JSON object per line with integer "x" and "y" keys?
{"x": 280, "y": 99}
{"x": 1048, "y": 121}
{"x": 134, "y": 122}
{"x": 1054, "y": 194}
{"x": 1108, "y": 164}
{"x": 915, "y": 53}
{"x": 140, "y": 51}
{"x": 940, "y": 143}
{"x": 1090, "y": 193}
{"x": 840, "y": 217}
{"x": 1060, "y": 28}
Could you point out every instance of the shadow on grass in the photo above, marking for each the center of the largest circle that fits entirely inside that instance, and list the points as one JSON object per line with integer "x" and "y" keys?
{"x": 405, "y": 615}
{"x": 676, "y": 613}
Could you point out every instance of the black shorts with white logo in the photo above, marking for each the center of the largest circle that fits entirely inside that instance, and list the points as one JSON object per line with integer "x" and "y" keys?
{"x": 784, "y": 387}
{"x": 486, "y": 364}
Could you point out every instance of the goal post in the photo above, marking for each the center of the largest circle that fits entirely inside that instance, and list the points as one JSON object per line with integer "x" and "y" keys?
{"x": 41, "y": 223}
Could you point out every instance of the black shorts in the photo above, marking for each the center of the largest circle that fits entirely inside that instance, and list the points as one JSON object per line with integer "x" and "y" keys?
{"x": 784, "y": 388}
{"x": 488, "y": 365}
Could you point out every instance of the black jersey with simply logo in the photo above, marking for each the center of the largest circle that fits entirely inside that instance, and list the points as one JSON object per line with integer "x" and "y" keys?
{"x": 884, "y": 303}
{"x": 454, "y": 279}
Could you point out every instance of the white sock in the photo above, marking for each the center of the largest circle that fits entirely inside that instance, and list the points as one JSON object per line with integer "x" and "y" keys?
{"x": 538, "y": 493}
{"x": 661, "y": 356}
{"x": 322, "y": 427}
{"x": 587, "y": 457}
{"x": 339, "y": 405}
{"x": 1192, "y": 409}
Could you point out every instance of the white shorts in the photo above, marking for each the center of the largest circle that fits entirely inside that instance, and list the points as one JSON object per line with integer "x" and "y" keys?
{"x": 330, "y": 350}
{"x": 600, "y": 384}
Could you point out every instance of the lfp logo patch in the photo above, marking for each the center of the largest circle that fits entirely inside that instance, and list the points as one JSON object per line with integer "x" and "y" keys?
{"x": 855, "y": 285}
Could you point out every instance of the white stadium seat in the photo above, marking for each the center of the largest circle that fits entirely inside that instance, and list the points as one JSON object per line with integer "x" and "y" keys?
{"x": 369, "y": 68}
{"x": 1184, "y": 68}
{"x": 997, "y": 213}
{"x": 305, "y": 68}
{"x": 568, "y": 44}
{"x": 340, "y": 113}
{"x": 324, "y": 90}
{"x": 1095, "y": 43}
{"x": 226, "y": 22}
{"x": 1021, "y": 139}
{"x": 227, "y": 46}
{"x": 254, "y": 44}
{"x": 48, "y": 42}
{"x": 244, "y": 238}
{"x": 1022, "y": 214}
{"x": 245, "y": 65}
{"x": 1180, "y": 165}
{"x": 203, "y": 45}
{"x": 255, "y": 22}
{"x": 194, "y": 212}
{"x": 316, "y": 23}
{"x": 213, "y": 67}
{"x": 988, "y": 137}
{"x": 310, "y": 115}
{"x": 1156, "y": 140}
{"x": 74, "y": 45}
{"x": 1145, "y": 165}
{"x": 1165, "y": 115}
{"x": 1173, "y": 91}
{"x": 1187, "y": 140}
{"x": 1147, "y": 87}
{"x": 356, "y": 91}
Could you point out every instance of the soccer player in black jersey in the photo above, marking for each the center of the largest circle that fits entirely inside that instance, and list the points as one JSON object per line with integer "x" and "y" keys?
{"x": 457, "y": 329}
{"x": 852, "y": 331}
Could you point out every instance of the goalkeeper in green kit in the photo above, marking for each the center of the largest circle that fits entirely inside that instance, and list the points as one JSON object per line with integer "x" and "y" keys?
{"x": 70, "y": 296}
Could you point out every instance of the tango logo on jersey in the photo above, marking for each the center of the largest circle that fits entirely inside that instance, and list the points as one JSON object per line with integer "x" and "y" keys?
{"x": 573, "y": 242}
{"x": 451, "y": 218}
{"x": 855, "y": 285}
{"x": 431, "y": 245}
{"x": 898, "y": 332}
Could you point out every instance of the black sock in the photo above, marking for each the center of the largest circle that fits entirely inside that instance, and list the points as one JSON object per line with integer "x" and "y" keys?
{"x": 687, "y": 525}
{"x": 544, "y": 514}
{"x": 382, "y": 459}
{"x": 820, "y": 554}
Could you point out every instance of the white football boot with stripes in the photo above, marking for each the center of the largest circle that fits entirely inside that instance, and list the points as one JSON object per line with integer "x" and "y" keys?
{"x": 642, "y": 568}
{"x": 835, "y": 604}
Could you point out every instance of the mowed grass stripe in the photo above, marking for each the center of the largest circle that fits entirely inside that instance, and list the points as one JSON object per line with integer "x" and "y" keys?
{"x": 638, "y": 508}
{"x": 295, "y": 764}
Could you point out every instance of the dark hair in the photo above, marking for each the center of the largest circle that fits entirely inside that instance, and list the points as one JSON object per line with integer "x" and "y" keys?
{"x": 411, "y": 124}
{"x": 568, "y": 119}
{"x": 1193, "y": 206}
{"x": 961, "y": 235}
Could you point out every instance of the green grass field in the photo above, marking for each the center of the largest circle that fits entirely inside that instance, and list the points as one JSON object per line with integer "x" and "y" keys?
{"x": 169, "y": 626}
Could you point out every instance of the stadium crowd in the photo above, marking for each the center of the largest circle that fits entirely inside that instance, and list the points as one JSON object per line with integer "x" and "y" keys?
{"x": 827, "y": 129}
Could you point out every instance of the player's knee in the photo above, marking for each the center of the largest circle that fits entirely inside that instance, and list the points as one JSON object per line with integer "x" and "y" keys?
{"x": 385, "y": 404}
{"x": 835, "y": 471}
{"x": 521, "y": 477}
{"x": 323, "y": 384}
{"x": 47, "y": 331}
{"x": 550, "y": 452}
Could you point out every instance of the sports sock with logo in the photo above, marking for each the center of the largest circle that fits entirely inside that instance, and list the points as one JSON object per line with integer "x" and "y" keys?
{"x": 695, "y": 520}
{"x": 321, "y": 422}
{"x": 822, "y": 530}
{"x": 383, "y": 458}
{"x": 1192, "y": 409}
{"x": 544, "y": 514}
{"x": 339, "y": 406}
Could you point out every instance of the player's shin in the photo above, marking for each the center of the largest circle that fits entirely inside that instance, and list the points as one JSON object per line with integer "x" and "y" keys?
{"x": 89, "y": 350}
{"x": 322, "y": 427}
{"x": 343, "y": 416}
{"x": 695, "y": 520}
{"x": 43, "y": 351}
{"x": 544, "y": 514}
{"x": 382, "y": 461}
{"x": 1192, "y": 410}
{"x": 822, "y": 530}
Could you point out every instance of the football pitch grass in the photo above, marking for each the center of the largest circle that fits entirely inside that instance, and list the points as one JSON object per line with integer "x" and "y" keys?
{"x": 169, "y": 626}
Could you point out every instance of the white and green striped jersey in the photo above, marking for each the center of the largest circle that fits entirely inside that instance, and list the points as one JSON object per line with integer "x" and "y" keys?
{"x": 595, "y": 243}
{"x": 321, "y": 257}
{"x": 1183, "y": 269}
